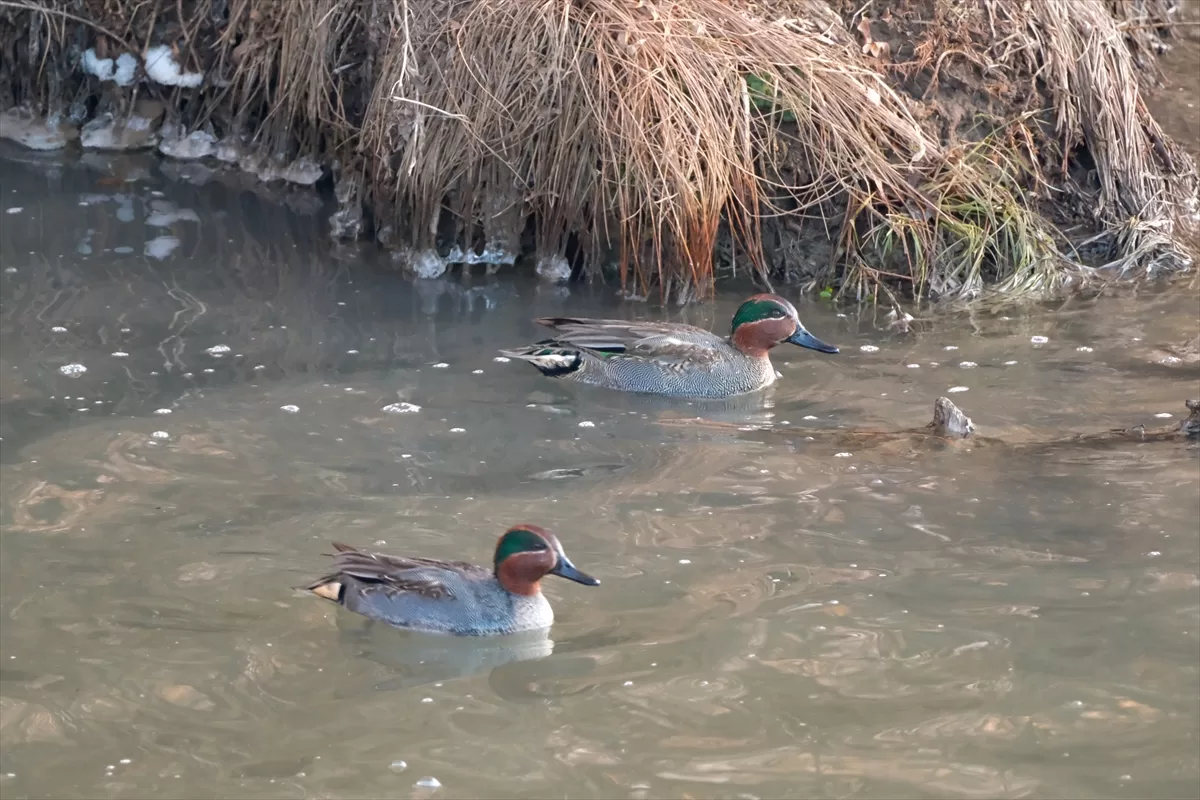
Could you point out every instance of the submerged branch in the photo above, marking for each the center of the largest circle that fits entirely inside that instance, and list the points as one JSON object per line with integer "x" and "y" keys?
{"x": 950, "y": 425}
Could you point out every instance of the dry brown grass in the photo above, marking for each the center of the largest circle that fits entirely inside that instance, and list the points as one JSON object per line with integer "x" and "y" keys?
{"x": 632, "y": 133}
{"x": 1078, "y": 69}
{"x": 1145, "y": 178}
{"x": 643, "y": 125}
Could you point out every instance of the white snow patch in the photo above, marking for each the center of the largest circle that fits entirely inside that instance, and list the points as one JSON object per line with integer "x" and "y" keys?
{"x": 92, "y": 64}
{"x": 120, "y": 72}
{"x": 127, "y": 65}
{"x": 161, "y": 67}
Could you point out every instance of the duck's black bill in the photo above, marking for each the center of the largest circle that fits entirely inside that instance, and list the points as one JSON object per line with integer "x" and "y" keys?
{"x": 566, "y": 569}
{"x": 806, "y": 339}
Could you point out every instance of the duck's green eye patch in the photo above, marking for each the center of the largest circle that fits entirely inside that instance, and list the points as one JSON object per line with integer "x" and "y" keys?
{"x": 516, "y": 541}
{"x": 756, "y": 311}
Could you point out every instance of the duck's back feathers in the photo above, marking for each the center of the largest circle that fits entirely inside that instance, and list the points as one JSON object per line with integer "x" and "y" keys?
{"x": 395, "y": 575}
{"x": 579, "y": 340}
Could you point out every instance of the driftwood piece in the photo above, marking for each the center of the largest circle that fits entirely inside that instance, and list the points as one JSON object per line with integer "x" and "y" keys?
{"x": 950, "y": 425}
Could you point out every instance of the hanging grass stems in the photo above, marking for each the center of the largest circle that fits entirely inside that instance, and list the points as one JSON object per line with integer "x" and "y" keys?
{"x": 669, "y": 140}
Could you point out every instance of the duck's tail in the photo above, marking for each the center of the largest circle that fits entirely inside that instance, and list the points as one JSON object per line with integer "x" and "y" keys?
{"x": 331, "y": 587}
{"x": 328, "y": 587}
{"x": 550, "y": 358}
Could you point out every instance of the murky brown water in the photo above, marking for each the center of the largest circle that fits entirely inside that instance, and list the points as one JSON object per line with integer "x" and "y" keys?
{"x": 777, "y": 618}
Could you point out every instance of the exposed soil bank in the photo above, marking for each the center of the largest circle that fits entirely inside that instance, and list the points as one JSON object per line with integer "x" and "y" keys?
{"x": 938, "y": 147}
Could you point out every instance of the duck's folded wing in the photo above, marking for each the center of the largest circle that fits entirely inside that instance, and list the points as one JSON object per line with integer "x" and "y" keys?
{"x": 398, "y": 574}
{"x": 650, "y": 340}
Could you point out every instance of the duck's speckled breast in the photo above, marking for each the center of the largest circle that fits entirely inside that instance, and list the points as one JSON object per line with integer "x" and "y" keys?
{"x": 477, "y": 607}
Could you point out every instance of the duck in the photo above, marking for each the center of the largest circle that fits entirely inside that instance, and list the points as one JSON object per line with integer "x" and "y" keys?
{"x": 668, "y": 358}
{"x": 454, "y": 597}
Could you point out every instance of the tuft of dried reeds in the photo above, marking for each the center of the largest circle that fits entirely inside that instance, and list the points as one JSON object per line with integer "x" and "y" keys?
{"x": 644, "y": 125}
{"x": 1145, "y": 179}
{"x": 637, "y": 134}
{"x": 1073, "y": 73}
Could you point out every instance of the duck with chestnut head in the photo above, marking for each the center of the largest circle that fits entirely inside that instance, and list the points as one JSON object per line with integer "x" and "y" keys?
{"x": 454, "y": 597}
{"x": 673, "y": 359}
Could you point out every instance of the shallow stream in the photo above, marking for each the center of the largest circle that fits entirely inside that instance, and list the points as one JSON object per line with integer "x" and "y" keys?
{"x": 198, "y": 396}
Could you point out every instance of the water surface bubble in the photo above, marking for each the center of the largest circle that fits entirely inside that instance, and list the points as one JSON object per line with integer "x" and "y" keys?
{"x": 428, "y": 782}
{"x": 399, "y": 765}
{"x": 58, "y": 329}
{"x": 957, "y": 389}
{"x": 441, "y": 365}
{"x": 587, "y": 424}
{"x": 967, "y": 364}
{"x": 161, "y": 435}
{"x": 1038, "y": 339}
{"x": 162, "y": 411}
{"x": 218, "y": 350}
{"x": 72, "y": 370}
{"x": 120, "y": 354}
{"x": 289, "y": 408}
{"x": 869, "y": 348}
{"x": 501, "y": 359}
